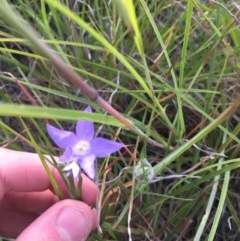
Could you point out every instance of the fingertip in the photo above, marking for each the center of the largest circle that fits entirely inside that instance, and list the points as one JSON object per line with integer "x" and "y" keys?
{"x": 90, "y": 191}
{"x": 66, "y": 220}
{"x": 75, "y": 224}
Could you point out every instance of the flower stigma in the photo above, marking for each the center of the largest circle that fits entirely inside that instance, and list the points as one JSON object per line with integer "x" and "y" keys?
{"x": 81, "y": 148}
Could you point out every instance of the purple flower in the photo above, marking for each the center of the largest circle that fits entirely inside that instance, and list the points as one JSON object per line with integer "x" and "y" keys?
{"x": 82, "y": 149}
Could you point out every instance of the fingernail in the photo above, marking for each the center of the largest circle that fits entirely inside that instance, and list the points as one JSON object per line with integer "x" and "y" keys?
{"x": 73, "y": 225}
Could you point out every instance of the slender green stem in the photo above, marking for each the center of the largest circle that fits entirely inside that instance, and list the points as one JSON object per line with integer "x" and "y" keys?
{"x": 214, "y": 124}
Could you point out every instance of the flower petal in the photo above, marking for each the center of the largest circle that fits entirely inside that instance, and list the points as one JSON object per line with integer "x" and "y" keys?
{"x": 102, "y": 147}
{"x": 85, "y": 129}
{"x": 88, "y": 109}
{"x": 60, "y": 137}
{"x": 73, "y": 168}
{"x": 67, "y": 155}
{"x": 87, "y": 163}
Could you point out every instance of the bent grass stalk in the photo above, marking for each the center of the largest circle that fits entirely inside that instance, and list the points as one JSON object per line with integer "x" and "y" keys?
{"x": 12, "y": 18}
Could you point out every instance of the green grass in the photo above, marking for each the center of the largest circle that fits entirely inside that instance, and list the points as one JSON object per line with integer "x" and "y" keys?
{"x": 171, "y": 70}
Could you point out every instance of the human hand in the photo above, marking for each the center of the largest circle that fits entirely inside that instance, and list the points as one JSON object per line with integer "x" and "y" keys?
{"x": 30, "y": 211}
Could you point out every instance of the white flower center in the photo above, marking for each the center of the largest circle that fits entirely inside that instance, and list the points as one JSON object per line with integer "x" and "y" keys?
{"x": 81, "y": 148}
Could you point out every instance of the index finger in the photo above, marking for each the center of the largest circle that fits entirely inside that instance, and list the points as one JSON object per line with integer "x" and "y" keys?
{"x": 24, "y": 172}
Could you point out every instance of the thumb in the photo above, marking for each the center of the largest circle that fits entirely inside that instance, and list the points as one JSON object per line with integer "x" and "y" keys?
{"x": 67, "y": 220}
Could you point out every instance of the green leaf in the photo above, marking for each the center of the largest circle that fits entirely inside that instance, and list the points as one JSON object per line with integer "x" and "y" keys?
{"x": 127, "y": 11}
{"x": 56, "y": 113}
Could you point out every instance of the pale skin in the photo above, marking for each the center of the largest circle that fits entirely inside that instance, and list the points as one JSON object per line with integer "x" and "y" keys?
{"x": 29, "y": 210}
